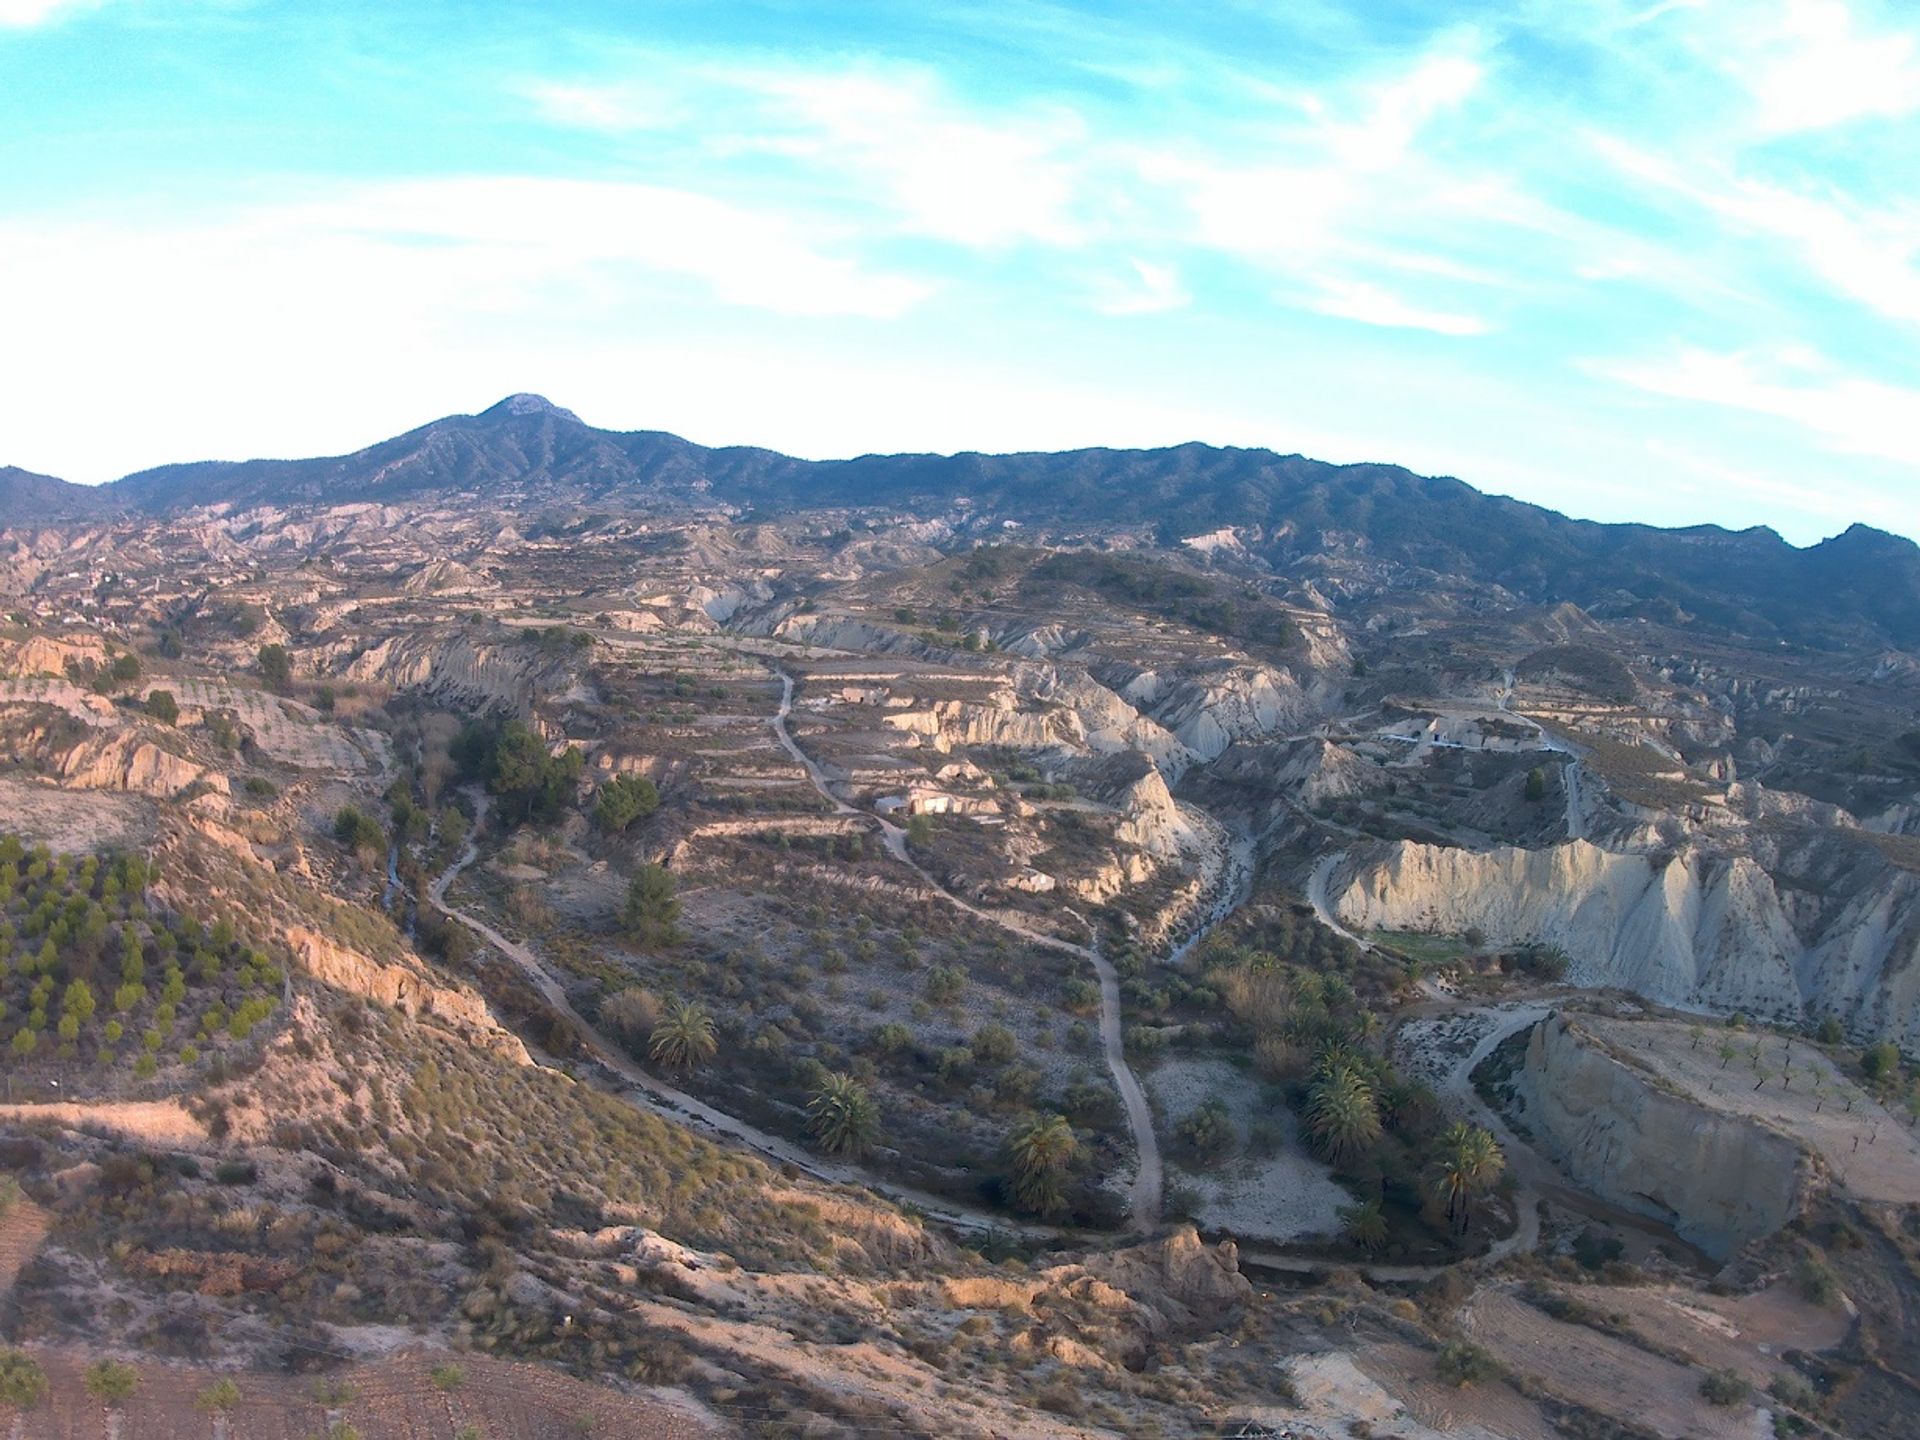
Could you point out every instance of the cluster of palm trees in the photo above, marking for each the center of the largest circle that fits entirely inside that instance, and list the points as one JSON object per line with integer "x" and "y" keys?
{"x": 1466, "y": 1162}
{"x": 842, "y": 1117}
{"x": 1346, "y": 1105}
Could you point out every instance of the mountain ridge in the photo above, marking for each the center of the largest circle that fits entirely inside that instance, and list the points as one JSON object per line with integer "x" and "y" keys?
{"x": 1862, "y": 585}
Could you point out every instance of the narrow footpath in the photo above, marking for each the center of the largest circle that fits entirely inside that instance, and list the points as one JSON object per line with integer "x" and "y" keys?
{"x": 1149, "y": 1179}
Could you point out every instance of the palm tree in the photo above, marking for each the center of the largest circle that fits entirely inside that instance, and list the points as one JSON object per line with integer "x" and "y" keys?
{"x": 1467, "y": 1161}
{"x": 112, "y": 1384}
{"x": 1366, "y": 1225}
{"x": 684, "y": 1039}
{"x": 1041, "y": 1148}
{"x": 841, "y": 1115}
{"x": 1341, "y": 1113}
{"x": 1403, "y": 1100}
{"x": 22, "y": 1385}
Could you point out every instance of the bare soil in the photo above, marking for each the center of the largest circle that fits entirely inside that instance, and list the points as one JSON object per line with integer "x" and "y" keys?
{"x": 392, "y": 1399}
{"x": 1601, "y": 1372}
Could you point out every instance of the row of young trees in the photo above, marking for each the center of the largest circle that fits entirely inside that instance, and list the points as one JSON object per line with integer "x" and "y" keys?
{"x": 24, "y": 1385}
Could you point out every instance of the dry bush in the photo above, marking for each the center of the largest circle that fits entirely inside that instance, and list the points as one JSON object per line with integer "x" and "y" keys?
{"x": 631, "y": 1014}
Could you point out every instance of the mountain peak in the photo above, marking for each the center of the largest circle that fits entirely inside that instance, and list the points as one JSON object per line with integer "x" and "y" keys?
{"x": 526, "y": 404}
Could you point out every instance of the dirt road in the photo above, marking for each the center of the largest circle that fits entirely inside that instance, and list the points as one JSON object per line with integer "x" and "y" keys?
{"x": 650, "y": 1093}
{"x": 1149, "y": 1180}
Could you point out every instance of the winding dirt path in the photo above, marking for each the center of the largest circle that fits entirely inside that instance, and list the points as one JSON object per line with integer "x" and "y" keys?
{"x": 1323, "y": 906}
{"x": 1576, "y": 801}
{"x": 650, "y": 1093}
{"x": 654, "y": 1095}
{"x": 1149, "y": 1181}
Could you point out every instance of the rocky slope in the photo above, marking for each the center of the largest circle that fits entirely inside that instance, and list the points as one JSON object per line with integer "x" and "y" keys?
{"x": 1282, "y": 511}
{"x": 1720, "y": 1180}
{"x": 1698, "y": 928}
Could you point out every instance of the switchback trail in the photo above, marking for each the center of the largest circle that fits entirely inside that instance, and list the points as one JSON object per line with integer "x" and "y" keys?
{"x": 1149, "y": 1180}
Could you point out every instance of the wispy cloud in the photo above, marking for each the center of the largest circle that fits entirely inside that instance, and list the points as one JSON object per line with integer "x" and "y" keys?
{"x": 1299, "y": 189}
{"x": 1871, "y": 256}
{"x": 25, "y": 14}
{"x": 1290, "y": 207}
{"x": 1372, "y": 305}
{"x": 1149, "y": 289}
{"x": 1849, "y": 414}
{"x": 477, "y": 244}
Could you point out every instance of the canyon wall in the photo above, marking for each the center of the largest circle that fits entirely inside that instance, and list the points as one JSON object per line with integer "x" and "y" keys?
{"x": 1698, "y": 928}
{"x": 1719, "y": 1180}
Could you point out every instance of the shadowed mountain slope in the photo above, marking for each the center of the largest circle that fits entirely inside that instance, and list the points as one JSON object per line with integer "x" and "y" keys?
{"x": 1862, "y": 587}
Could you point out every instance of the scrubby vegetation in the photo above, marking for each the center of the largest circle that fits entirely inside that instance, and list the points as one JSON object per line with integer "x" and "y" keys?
{"x": 1305, "y": 1007}
{"x": 519, "y": 768}
{"x": 1206, "y": 602}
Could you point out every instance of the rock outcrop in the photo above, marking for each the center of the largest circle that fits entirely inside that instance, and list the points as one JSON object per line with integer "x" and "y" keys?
{"x": 1719, "y": 1180}
{"x": 128, "y": 761}
{"x": 1210, "y": 709}
{"x": 48, "y": 655}
{"x": 404, "y": 989}
{"x": 1151, "y": 821}
{"x": 1124, "y": 1303}
{"x": 508, "y": 676}
{"x": 1190, "y": 1287}
{"x": 1697, "y": 927}
{"x": 1694, "y": 930}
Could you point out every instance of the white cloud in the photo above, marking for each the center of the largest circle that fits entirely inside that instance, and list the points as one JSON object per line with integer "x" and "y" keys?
{"x": 1405, "y": 106}
{"x": 1849, "y": 414}
{"x": 1867, "y": 255}
{"x": 507, "y": 233}
{"x": 1822, "y": 503}
{"x": 1811, "y": 65}
{"x": 946, "y": 172}
{"x": 1372, "y": 305}
{"x": 931, "y": 165}
{"x": 1151, "y": 290}
{"x": 607, "y": 107}
{"x": 24, "y": 14}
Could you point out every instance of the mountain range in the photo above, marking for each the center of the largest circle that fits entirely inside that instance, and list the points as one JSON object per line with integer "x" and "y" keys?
{"x": 1861, "y": 588}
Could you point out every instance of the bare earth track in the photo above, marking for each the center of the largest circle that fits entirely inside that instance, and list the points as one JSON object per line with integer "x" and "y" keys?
{"x": 1149, "y": 1180}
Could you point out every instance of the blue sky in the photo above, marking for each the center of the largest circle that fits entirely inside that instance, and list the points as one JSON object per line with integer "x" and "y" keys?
{"x": 1655, "y": 261}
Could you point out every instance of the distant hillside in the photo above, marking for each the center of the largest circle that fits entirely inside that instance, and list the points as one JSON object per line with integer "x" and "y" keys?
{"x": 27, "y": 496}
{"x": 1862, "y": 587}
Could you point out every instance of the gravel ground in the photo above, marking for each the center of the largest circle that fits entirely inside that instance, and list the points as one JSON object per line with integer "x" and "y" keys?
{"x": 1287, "y": 1195}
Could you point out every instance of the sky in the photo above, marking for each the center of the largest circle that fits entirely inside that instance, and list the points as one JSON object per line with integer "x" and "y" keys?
{"x": 1656, "y": 260}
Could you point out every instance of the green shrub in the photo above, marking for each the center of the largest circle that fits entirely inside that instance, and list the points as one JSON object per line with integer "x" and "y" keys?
{"x": 1463, "y": 1363}
{"x": 1724, "y": 1388}
{"x": 623, "y": 800}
